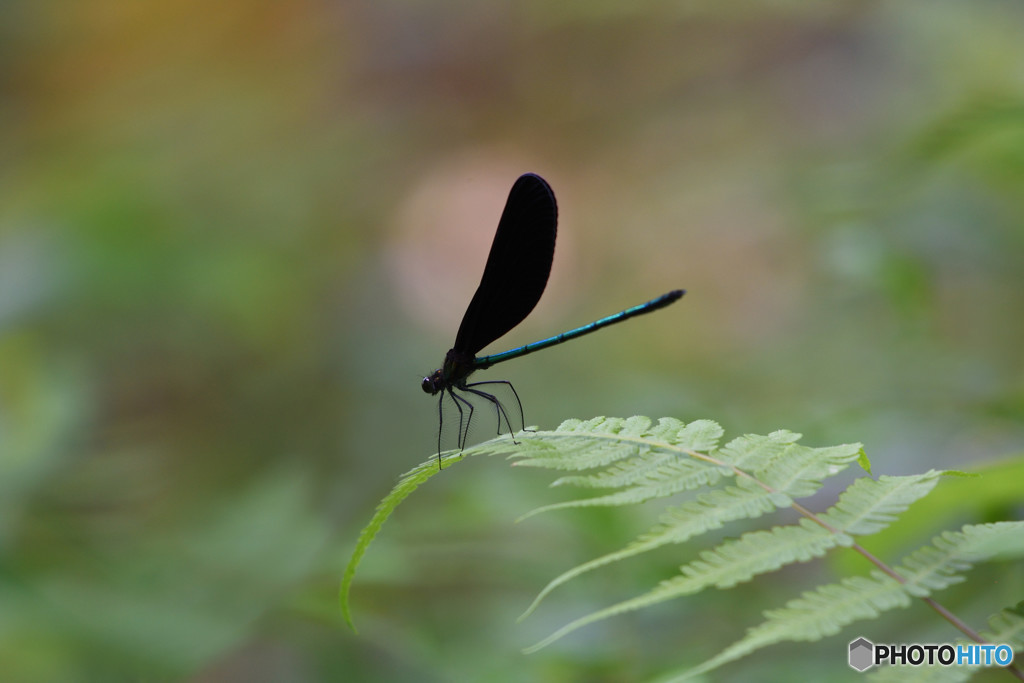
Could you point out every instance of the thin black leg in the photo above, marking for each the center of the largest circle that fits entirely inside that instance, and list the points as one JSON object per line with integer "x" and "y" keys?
{"x": 440, "y": 429}
{"x": 522, "y": 418}
{"x": 459, "y": 401}
{"x": 497, "y": 404}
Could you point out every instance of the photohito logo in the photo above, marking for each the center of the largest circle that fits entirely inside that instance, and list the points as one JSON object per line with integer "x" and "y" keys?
{"x": 864, "y": 654}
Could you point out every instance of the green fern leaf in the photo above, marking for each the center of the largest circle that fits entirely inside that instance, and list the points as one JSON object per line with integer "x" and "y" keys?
{"x": 409, "y": 482}
{"x": 584, "y": 444}
{"x": 699, "y": 435}
{"x": 660, "y": 465}
{"x": 576, "y": 444}
{"x": 753, "y": 453}
{"x": 1007, "y": 627}
{"x": 671, "y": 478}
{"x": 623, "y": 473}
{"x": 637, "y": 460}
{"x": 935, "y": 567}
{"x": 755, "y": 552}
{"x": 865, "y": 507}
{"x": 816, "y": 614}
{"x": 709, "y": 511}
{"x": 827, "y": 609}
{"x": 869, "y": 505}
{"x": 800, "y": 468}
{"x": 730, "y": 563}
{"x": 678, "y": 524}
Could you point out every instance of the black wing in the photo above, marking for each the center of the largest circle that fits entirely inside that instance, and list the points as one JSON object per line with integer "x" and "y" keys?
{"x": 517, "y": 268}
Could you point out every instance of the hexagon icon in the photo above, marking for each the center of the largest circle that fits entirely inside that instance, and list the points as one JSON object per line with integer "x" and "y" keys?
{"x": 862, "y": 654}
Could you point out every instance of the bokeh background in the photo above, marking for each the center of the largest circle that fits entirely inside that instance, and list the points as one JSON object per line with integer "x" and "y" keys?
{"x": 234, "y": 236}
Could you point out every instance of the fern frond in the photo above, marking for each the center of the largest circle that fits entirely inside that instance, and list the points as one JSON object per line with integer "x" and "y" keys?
{"x": 753, "y": 452}
{"x": 699, "y": 435}
{"x": 583, "y": 444}
{"x": 935, "y": 567}
{"x": 409, "y": 482}
{"x": 664, "y": 469}
{"x": 800, "y": 469}
{"x": 709, "y": 511}
{"x": 755, "y": 552}
{"x": 730, "y": 563}
{"x": 827, "y": 609}
{"x": 1007, "y": 626}
{"x": 669, "y": 479}
{"x": 744, "y": 500}
{"x": 821, "y": 612}
{"x": 660, "y": 464}
{"x": 636, "y": 460}
{"x": 622, "y": 473}
{"x": 867, "y": 506}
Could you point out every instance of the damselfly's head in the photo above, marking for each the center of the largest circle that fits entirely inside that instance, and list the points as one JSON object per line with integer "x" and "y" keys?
{"x": 434, "y": 383}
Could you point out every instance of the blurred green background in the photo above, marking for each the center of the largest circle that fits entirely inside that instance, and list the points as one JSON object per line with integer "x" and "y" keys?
{"x": 234, "y": 236}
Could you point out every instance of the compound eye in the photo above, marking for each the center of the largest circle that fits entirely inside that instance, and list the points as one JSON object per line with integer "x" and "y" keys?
{"x": 428, "y": 386}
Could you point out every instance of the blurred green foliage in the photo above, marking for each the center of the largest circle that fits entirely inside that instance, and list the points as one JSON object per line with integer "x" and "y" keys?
{"x": 232, "y": 241}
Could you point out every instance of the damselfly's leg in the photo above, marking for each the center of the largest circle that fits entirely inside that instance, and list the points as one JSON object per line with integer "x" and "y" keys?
{"x": 522, "y": 418}
{"x": 463, "y": 432}
{"x": 440, "y": 429}
{"x": 502, "y": 413}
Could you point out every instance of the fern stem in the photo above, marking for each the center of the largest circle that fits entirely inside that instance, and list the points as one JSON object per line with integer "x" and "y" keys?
{"x": 968, "y": 631}
{"x": 958, "y": 623}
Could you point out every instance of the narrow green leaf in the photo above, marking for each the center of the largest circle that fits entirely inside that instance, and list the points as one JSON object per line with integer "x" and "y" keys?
{"x": 798, "y": 470}
{"x": 816, "y": 614}
{"x": 602, "y": 442}
{"x": 935, "y": 567}
{"x": 409, "y": 482}
{"x": 754, "y": 453}
{"x": 824, "y": 611}
{"x": 755, "y": 552}
{"x": 678, "y": 524}
{"x": 864, "y": 461}
{"x": 672, "y": 478}
{"x": 1007, "y": 626}
{"x": 868, "y": 506}
{"x": 698, "y": 436}
{"x": 728, "y": 564}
